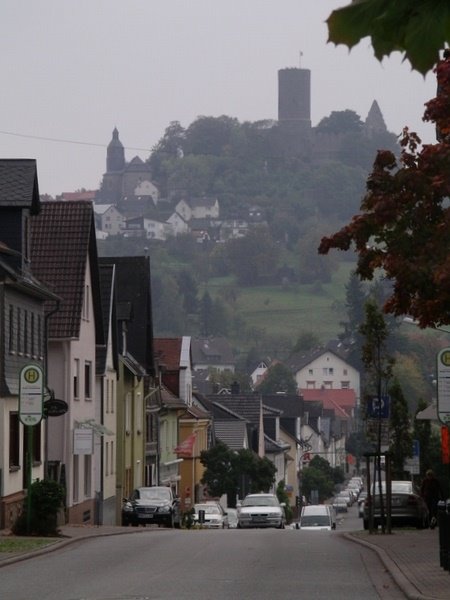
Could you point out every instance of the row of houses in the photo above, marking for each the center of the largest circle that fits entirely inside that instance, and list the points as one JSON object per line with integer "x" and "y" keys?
{"x": 197, "y": 217}
{"x": 132, "y": 415}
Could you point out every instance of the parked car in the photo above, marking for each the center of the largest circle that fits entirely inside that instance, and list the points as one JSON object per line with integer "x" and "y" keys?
{"x": 340, "y": 505}
{"x": 214, "y": 517}
{"x": 407, "y": 506}
{"x": 317, "y": 517}
{"x": 347, "y": 496}
{"x": 155, "y": 504}
{"x": 261, "y": 510}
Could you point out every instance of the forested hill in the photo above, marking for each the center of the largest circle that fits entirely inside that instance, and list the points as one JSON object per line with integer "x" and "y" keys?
{"x": 319, "y": 173}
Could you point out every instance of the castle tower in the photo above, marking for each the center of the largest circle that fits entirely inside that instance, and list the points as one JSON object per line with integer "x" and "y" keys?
{"x": 115, "y": 154}
{"x": 294, "y": 98}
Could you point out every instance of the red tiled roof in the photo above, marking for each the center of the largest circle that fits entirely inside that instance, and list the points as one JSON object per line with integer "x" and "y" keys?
{"x": 167, "y": 352}
{"x": 60, "y": 242}
{"x": 329, "y": 397}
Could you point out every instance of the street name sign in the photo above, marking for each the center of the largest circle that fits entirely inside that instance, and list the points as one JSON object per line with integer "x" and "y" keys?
{"x": 31, "y": 394}
{"x": 443, "y": 385}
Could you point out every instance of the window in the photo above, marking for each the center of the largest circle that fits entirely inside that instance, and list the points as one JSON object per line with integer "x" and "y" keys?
{"x": 87, "y": 475}
{"x": 328, "y": 385}
{"x": 76, "y": 379}
{"x": 107, "y": 458}
{"x": 345, "y": 371}
{"x": 310, "y": 371}
{"x": 328, "y": 371}
{"x": 106, "y": 391}
{"x": 32, "y": 335}
{"x": 112, "y": 396}
{"x": 345, "y": 385}
{"x": 87, "y": 380}
{"x": 310, "y": 385}
{"x": 26, "y": 345}
{"x": 85, "y": 310}
{"x": 128, "y": 412}
{"x": 39, "y": 337}
{"x": 14, "y": 441}
{"x": 75, "y": 478}
{"x": 19, "y": 331}
{"x": 112, "y": 458}
{"x": 11, "y": 328}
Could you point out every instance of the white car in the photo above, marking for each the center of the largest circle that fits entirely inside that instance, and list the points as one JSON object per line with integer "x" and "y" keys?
{"x": 261, "y": 510}
{"x": 210, "y": 515}
{"x": 317, "y": 517}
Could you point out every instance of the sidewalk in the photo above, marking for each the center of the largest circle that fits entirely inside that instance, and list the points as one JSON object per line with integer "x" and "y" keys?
{"x": 412, "y": 558}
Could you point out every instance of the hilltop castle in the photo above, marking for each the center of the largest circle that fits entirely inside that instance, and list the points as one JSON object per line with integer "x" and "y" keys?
{"x": 129, "y": 183}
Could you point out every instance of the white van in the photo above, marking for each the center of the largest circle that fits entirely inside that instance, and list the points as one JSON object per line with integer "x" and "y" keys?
{"x": 318, "y": 517}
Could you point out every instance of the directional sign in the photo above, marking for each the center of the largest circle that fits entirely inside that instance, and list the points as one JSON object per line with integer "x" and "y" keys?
{"x": 31, "y": 394}
{"x": 443, "y": 385}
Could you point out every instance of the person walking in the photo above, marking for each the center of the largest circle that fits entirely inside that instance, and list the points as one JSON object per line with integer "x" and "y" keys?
{"x": 431, "y": 492}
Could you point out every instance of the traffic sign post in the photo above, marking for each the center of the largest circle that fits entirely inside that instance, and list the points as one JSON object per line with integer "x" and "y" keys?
{"x": 443, "y": 386}
{"x": 31, "y": 401}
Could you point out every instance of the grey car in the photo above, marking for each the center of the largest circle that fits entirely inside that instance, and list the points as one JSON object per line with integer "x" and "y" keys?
{"x": 148, "y": 505}
{"x": 408, "y": 507}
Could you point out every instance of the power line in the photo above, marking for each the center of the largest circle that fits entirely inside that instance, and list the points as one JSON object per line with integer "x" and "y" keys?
{"x": 63, "y": 141}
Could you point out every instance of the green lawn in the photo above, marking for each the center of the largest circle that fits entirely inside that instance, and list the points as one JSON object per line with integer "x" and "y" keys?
{"x": 23, "y": 544}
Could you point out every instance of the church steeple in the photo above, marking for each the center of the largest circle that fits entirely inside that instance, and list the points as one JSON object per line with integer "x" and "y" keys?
{"x": 115, "y": 154}
{"x": 375, "y": 122}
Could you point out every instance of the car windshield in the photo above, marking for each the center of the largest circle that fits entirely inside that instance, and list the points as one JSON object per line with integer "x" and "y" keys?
{"x": 208, "y": 508}
{"x": 315, "y": 521}
{"x": 154, "y": 494}
{"x": 397, "y": 487}
{"x": 260, "y": 501}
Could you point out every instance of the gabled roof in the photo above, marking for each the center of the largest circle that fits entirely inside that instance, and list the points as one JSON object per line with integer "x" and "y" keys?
{"x": 300, "y": 360}
{"x": 19, "y": 184}
{"x": 202, "y": 202}
{"x": 248, "y": 407}
{"x": 62, "y": 244}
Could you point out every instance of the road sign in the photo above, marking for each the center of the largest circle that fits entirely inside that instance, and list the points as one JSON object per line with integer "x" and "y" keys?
{"x": 31, "y": 394}
{"x": 443, "y": 385}
{"x": 378, "y": 408}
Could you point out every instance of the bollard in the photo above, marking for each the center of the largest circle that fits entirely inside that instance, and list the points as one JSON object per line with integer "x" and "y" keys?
{"x": 443, "y": 518}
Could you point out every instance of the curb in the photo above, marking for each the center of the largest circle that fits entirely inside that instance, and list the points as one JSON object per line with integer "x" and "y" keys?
{"x": 410, "y": 590}
{"x": 61, "y": 543}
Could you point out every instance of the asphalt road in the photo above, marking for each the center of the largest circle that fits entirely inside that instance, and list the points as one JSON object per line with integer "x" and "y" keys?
{"x": 204, "y": 565}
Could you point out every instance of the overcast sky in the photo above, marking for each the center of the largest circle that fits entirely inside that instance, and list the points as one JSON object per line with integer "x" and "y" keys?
{"x": 72, "y": 70}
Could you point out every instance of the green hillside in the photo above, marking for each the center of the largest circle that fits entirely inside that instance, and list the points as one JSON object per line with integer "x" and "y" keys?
{"x": 289, "y": 311}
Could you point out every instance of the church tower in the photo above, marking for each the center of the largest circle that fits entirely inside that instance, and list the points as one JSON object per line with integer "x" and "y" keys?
{"x": 115, "y": 154}
{"x": 111, "y": 189}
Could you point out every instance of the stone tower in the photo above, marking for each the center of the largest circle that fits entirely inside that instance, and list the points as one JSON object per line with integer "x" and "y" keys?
{"x": 294, "y": 98}
{"x": 374, "y": 122}
{"x": 294, "y": 111}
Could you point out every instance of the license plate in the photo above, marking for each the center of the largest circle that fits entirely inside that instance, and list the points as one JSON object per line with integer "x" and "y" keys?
{"x": 147, "y": 516}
